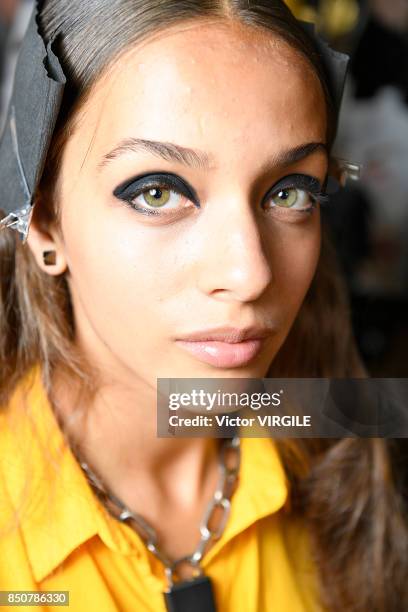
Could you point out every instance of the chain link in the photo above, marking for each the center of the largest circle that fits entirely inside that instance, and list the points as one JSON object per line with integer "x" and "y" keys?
{"x": 211, "y": 526}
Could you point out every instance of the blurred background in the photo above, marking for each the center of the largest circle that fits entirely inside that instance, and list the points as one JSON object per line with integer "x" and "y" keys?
{"x": 368, "y": 218}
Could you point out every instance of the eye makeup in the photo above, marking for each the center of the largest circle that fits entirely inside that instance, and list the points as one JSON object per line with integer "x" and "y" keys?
{"x": 303, "y": 182}
{"x": 131, "y": 189}
{"x": 156, "y": 183}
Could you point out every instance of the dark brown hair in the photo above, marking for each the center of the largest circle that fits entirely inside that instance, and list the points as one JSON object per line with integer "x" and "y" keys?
{"x": 357, "y": 519}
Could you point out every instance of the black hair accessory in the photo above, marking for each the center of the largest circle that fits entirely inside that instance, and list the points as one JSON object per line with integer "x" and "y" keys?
{"x": 33, "y": 111}
{"x": 334, "y": 63}
{"x": 37, "y": 95}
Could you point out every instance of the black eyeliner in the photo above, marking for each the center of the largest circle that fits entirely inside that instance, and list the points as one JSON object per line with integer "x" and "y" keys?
{"x": 300, "y": 181}
{"x": 131, "y": 188}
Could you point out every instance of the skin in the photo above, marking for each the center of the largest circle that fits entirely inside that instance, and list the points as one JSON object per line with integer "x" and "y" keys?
{"x": 139, "y": 282}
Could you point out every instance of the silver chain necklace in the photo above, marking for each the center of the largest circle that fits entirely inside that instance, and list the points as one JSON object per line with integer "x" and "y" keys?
{"x": 194, "y": 593}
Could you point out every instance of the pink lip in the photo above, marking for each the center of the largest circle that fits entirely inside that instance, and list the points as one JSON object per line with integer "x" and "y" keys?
{"x": 223, "y": 354}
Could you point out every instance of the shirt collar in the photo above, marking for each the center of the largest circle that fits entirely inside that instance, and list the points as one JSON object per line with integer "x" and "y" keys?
{"x": 58, "y": 508}
{"x": 262, "y": 489}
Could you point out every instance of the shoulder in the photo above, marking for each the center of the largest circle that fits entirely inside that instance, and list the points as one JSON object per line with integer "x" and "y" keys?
{"x": 16, "y": 468}
{"x": 15, "y": 438}
{"x": 26, "y": 436}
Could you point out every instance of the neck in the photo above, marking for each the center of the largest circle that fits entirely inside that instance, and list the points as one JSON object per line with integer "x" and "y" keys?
{"x": 115, "y": 433}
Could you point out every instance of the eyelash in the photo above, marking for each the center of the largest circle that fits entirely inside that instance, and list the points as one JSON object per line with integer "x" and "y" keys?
{"x": 128, "y": 191}
{"x": 303, "y": 182}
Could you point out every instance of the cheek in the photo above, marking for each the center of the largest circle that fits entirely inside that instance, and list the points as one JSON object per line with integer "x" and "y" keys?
{"x": 294, "y": 254}
{"x": 119, "y": 271}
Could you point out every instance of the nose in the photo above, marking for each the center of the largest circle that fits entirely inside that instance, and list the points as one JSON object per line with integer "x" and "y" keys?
{"x": 234, "y": 262}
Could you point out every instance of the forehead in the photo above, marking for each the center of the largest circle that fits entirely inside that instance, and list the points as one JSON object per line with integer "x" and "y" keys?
{"x": 219, "y": 87}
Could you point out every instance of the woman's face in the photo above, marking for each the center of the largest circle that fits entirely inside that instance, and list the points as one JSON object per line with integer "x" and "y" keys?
{"x": 186, "y": 198}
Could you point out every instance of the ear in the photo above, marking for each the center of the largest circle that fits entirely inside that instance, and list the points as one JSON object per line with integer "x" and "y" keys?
{"x": 46, "y": 244}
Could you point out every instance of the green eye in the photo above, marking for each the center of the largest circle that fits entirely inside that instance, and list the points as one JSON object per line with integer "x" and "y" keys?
{"x": 297, "y": 192}
{"x": 285, "y": 198}
{"x": 157, "y": 197}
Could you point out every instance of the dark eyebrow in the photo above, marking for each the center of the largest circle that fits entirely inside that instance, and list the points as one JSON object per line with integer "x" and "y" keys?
{"x": 199, "y": 159}
{"x": 165, "y": 150}
{"x": 291, "y": 156}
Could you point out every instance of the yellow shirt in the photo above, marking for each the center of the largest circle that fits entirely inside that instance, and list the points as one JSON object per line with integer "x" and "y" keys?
{"x": 63, "y": 539}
